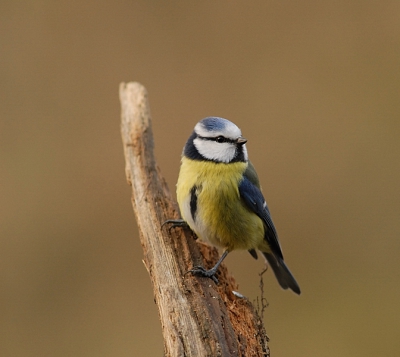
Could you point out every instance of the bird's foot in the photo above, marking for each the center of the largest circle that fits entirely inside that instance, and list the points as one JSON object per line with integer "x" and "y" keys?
{"x": 175, "y": 223}
{"x": 199, "y": 270}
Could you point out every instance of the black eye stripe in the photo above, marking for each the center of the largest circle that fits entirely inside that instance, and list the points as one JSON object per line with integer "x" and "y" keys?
{"x": 218, "y": 139}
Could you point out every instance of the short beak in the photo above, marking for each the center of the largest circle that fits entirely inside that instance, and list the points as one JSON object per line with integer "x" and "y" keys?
{"x": 241, "y": 140}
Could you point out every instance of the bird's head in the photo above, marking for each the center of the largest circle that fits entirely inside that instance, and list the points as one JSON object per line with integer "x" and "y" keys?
{"x": 216, "y": 139}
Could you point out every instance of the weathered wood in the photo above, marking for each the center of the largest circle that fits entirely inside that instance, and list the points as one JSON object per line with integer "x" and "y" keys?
{"x": 198, "y": 318}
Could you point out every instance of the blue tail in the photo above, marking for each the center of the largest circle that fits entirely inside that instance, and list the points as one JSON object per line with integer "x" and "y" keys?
{"x": 282, "y": 273}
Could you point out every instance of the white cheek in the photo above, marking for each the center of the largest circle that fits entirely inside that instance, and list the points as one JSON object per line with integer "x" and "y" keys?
{"x": 212, "y": 150}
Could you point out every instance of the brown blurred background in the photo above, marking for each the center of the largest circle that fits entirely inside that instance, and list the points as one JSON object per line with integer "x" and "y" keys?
{"x": 315, "y": 87}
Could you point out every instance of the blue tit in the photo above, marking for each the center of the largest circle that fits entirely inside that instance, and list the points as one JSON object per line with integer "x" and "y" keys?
{"x": 220, "y": 198}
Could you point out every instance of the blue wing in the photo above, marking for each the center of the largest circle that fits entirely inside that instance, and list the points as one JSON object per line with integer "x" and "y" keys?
{"x": 254, "y": 200}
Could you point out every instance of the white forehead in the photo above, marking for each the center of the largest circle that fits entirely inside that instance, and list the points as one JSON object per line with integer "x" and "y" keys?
{"x": 214, "y": 126}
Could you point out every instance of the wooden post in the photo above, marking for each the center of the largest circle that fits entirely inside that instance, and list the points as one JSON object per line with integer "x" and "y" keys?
{"x": 198, "y": 318}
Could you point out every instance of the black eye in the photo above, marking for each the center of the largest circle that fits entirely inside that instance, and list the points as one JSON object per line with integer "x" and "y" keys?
{"x": 220, "y": 139}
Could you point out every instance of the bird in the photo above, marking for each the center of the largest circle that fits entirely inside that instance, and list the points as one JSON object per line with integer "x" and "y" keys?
{"x": 220, "y": 199}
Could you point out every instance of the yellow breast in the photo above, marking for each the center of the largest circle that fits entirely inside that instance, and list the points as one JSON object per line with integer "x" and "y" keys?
{"x": 221, "y": 217}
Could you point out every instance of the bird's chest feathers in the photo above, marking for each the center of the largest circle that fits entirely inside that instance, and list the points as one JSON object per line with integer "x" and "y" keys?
{"x": 215, "y": 181}
{"x": 209, "y": 198}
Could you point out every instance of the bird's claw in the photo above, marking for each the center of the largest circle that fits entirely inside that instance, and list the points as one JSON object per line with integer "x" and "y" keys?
{"x": 175, "y": 223}
{"x": 199, "y": 270}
